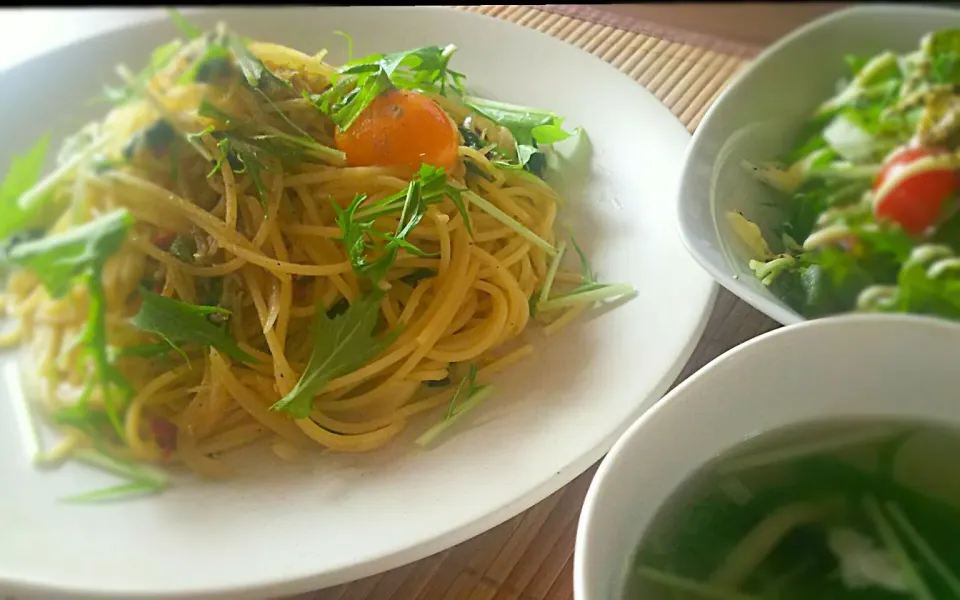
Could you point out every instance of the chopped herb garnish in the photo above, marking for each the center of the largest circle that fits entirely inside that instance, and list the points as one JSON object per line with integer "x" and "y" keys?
{"x": 184, "y": 246}
{"x": 531, "y": 128}
{"x": 131, "y": 89}
{"x": 357, "y": 225}
{"x": 184, "y": 25}
{"x": 588, "y": 292}
{"x": 524, "y": 231}
{"x": 467, "y": 397}
{"x": 434, "y": 188}
{"x": 178, "y": 323}
{"x": 79, "y": 255}
{"x": 142, "y": 479}
{"x": 360, "y": 81}
{"x": 24, "y": 173}
{"x": 340, "y": 345}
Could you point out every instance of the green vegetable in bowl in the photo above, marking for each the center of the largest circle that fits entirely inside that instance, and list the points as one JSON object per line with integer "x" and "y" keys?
{"x": 839, "y": 517}
{"x": 871, "y": 192}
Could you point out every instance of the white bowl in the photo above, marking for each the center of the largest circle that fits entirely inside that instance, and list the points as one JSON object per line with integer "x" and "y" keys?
{"x": 760, "y": 115}
{"x": 852, "y": 367}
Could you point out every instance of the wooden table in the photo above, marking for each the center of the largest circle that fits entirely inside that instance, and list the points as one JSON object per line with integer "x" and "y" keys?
{"x": 530, "y": 557}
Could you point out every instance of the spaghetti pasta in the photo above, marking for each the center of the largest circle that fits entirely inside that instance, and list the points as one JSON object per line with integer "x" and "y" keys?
{"x": 257, "y": 215}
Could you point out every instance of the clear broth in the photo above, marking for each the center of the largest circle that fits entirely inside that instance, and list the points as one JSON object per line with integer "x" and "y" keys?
{"x": 698, "y": 528}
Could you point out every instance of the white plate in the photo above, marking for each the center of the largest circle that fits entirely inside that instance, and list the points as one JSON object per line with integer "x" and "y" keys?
{"x": 760, "y": 115}
{"x": 279, "y": 529}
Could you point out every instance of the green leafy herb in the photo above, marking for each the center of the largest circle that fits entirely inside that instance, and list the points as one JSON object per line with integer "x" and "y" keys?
{"x": 122, "y": 490}
{"x": 24, "y": 173}
{"x": 587, "y": 276}
{"x": 79, "y": 255}
{"x": 520, "y": 228}
{"x": 352, "y": 231}
{"x": 356, "y": 224}
{"x": 184, "y": 25}
{"x": 360, "y": 81}
{"x": 57, "y": 261}
{"x": 141, "y": 478}
{"x": 184, "y": 247}
{"x": 160, "y": 57}
{"x": 588, "y": 292}
{"x": 212, "y": 66}
{"x": 256, "y": 74}
{"x": 544, "y": 292}
{"x": 341, "y": 344}
{"x": 472, "y": 388}
{"x": 209, "y": 110}
{"x": 261, "y": 79}
{"x": 413, "y": 210}
{"x": 942, "y": 49}
{"x": 531, "y": 128}
{"x": 252, "y": 151}
{"x": 247, "y": 156}
{"x": 433, "y": 189}
{"x": 177, "y": 323}
{"x": 472, "y": 395}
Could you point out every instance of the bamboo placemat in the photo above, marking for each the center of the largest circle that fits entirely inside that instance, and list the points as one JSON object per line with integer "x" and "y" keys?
{"x": 530, "y": 557}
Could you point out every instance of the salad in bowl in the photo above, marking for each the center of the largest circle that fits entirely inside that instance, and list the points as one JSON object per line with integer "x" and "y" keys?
{"x": 871, "y": 192}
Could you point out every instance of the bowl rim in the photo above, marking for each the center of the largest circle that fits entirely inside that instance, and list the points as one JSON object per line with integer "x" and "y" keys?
{"x": 771, "y": 308}
{"x": 670, "y": 409}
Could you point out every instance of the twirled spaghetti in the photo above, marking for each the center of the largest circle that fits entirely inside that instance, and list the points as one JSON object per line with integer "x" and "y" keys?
{"x": 246, "y": 196}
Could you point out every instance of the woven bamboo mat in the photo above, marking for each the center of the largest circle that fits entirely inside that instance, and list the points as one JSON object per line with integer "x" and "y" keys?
{"x": 530, "y": 557}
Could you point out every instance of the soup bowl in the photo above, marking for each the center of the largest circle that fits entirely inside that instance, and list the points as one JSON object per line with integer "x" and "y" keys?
{"x": 789, "y": 386}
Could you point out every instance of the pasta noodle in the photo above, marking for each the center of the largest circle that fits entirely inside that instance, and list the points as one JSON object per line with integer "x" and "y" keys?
{"x": 258, "y": 245}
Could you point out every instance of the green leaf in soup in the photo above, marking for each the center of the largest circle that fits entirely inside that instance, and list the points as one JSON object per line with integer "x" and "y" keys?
{"x": 57, "y": 260}
{"x": 340, "y": 345}
{"x": 179, "y": 322}
{"x": 23, "y": 174}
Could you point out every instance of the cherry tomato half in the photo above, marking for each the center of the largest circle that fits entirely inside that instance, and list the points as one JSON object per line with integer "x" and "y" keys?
{"x": 401, "y": 128}
{"x": 917, "y": 200}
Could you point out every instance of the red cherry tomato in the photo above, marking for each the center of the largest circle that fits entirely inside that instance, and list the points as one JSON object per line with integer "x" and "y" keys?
{"x": 916, "y": 201}
{"x": 401, "y": 128}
